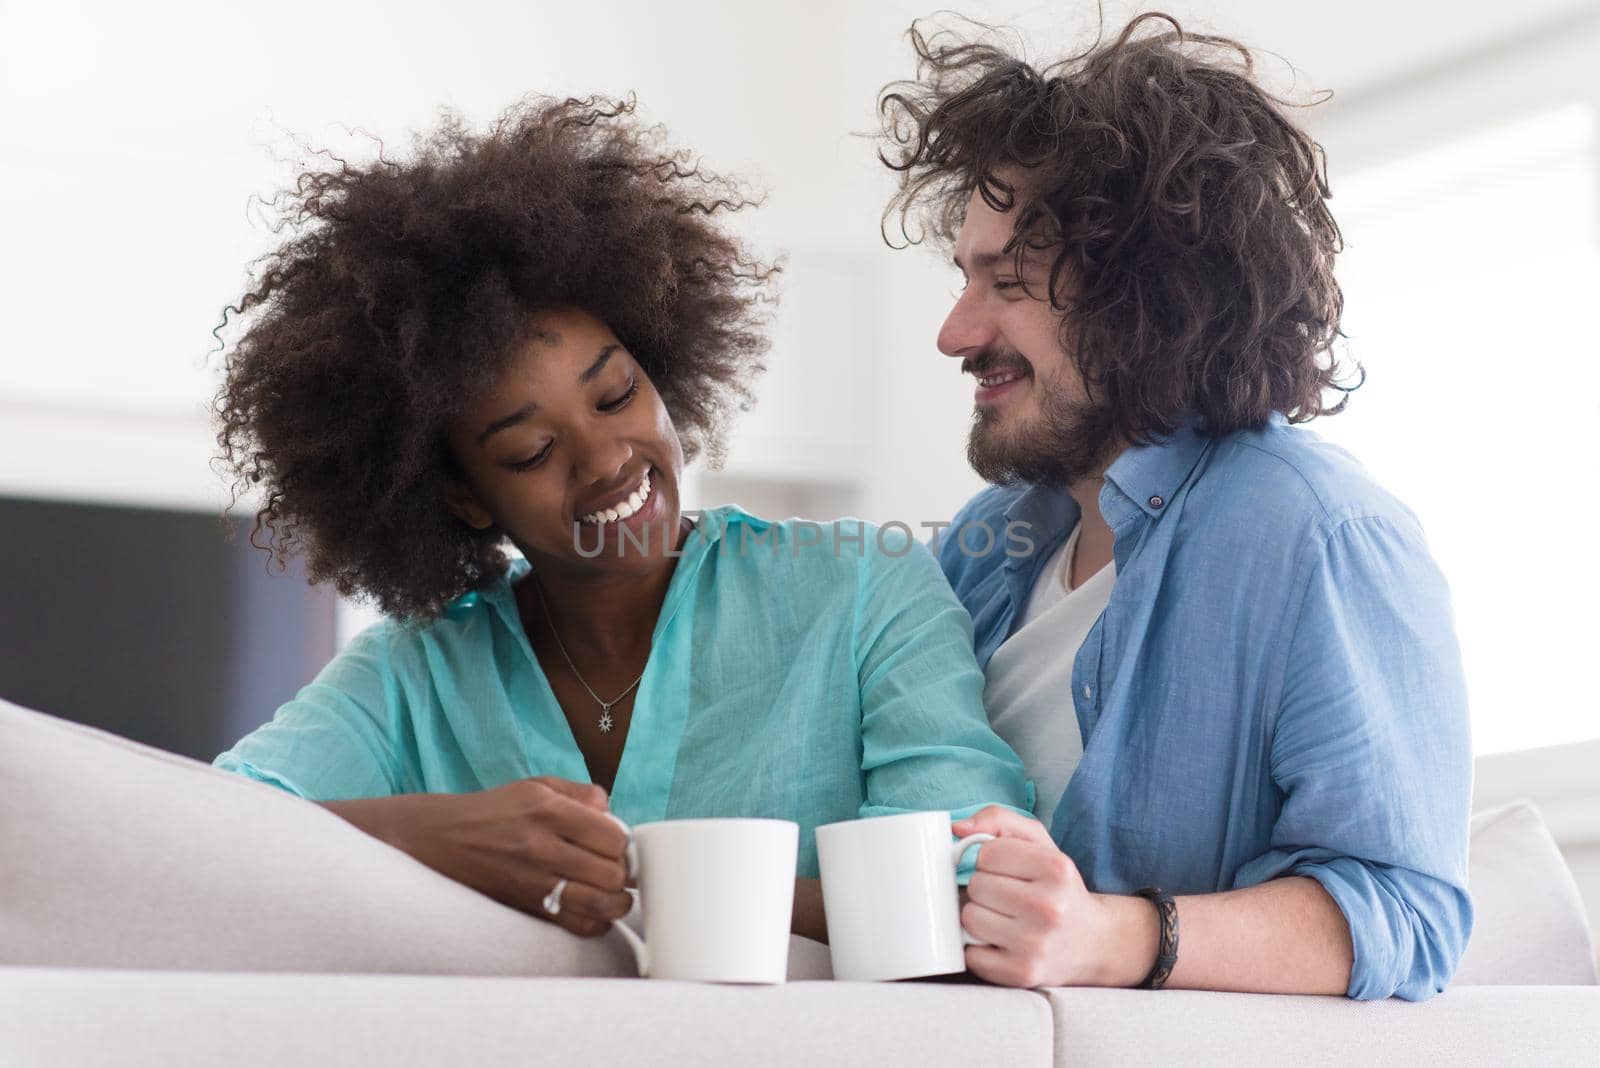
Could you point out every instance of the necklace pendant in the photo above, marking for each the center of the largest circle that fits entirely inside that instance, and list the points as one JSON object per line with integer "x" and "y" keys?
{"x": 605, "y": 722}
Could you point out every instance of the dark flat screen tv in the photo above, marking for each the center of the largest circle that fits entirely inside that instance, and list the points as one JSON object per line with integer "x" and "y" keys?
{"x": 152, "y": 624}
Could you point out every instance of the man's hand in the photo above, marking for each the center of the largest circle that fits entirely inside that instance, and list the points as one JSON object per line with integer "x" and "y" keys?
{"x": 1042, "y": 924}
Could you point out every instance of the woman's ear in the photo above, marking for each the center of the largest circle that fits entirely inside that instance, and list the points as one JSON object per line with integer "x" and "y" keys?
{"x": 465, "y": 507}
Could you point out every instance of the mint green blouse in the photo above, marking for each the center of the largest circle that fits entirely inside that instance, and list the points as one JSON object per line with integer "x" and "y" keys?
{"x": 800, "y": 671}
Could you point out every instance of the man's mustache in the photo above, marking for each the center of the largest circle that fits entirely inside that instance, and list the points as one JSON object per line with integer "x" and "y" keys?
{"x": 985, "y": 363}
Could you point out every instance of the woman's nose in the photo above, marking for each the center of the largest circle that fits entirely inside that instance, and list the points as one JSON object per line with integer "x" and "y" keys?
{"x": 603, "y": 458}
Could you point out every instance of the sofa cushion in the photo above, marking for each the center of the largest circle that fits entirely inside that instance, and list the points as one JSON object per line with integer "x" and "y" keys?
{"x": 1465, "y": 1025}
{"x": 118, "y": 855}
{"x": 1528, "y": 918}
{"x": 56, "y": 1018}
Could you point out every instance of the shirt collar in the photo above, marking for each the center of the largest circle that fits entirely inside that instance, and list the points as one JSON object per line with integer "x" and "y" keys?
{"x": 711, "y": 526}
{"x": 1147, "y": 475}
{"x": 1049, "y": 513}
{"x": 1150, "y": 475}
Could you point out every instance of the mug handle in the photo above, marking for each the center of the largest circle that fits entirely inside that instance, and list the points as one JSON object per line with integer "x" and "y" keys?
{"x": 641, "y": 952}
{"x": 955, "y": 862}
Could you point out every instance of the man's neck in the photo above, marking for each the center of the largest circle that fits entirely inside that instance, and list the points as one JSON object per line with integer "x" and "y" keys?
{"x": 1095, "y": 540}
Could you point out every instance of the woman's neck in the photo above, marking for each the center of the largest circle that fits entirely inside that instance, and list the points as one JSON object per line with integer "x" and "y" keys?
{"x": 611, "y": 613}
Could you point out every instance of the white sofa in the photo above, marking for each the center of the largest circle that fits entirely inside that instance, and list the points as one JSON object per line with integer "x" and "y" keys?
{"x": 155, "y": 911}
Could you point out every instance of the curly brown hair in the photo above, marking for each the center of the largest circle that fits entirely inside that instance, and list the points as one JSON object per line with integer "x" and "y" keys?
{"x": 1193, "y": 246}
{"x": 405, "y": 287}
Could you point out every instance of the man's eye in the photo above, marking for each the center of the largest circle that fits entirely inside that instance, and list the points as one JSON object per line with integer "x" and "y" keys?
{"x": 621, "y": 402}
{"x": 533, "y": 461}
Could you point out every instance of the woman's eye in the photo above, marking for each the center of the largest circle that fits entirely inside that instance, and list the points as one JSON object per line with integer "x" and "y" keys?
{"x": 614, "y": 404}
{"x": 532, "y": 461}
{"x": 618, "y": 403}
{"x": 1010, "y": 283}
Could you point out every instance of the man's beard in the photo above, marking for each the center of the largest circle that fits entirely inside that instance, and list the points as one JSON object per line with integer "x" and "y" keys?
{"x": 1065, "y": 443}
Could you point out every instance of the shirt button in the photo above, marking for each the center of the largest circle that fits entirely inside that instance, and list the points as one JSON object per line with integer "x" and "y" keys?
{"x": 1156, "y": 502}
{"x": 1086, "y": 693}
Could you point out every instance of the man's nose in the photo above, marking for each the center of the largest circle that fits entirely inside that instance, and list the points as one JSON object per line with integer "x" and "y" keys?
{"x": 966, "y": 330}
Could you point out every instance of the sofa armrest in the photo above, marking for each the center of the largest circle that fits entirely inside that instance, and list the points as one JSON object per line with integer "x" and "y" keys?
{"x": 1466, "y": 1025}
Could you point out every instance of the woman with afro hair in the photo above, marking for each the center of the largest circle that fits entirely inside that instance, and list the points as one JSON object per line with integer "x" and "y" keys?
{"x": 516, "y": 339}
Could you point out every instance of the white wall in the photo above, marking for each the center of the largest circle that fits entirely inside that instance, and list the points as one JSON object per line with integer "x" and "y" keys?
{"x": 137, "y": 133}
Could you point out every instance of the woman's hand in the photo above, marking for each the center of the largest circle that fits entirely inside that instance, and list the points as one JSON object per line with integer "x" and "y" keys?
{"x": 807, "y": 918}
{"x": 513, "y": 843}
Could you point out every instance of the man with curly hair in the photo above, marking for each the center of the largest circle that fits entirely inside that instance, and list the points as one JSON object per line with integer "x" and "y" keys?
{"x": 1229, "y": 663}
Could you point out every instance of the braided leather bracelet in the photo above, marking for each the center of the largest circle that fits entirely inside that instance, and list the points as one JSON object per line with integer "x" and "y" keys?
{"x": 1167, "y": 949}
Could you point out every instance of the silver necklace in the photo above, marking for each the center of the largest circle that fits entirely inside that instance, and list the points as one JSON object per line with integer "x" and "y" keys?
{"x": 605, "y": 706}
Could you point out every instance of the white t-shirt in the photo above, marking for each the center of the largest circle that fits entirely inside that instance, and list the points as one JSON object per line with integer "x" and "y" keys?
{"x": 1028, "y": 688}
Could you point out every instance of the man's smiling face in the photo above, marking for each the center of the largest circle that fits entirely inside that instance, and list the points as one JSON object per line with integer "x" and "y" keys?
{"x": 1031, "y": 420}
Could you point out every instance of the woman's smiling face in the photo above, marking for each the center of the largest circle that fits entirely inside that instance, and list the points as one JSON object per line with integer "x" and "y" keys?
{"x": 571, "y": 451}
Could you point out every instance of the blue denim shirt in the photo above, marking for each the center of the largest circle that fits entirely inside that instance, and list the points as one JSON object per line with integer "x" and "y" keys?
{"x": 1274, "y": 689}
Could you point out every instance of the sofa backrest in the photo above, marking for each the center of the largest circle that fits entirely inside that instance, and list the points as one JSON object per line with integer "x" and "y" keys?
{"x": 1528, "y": 920}
{"x": 117, "y": 855}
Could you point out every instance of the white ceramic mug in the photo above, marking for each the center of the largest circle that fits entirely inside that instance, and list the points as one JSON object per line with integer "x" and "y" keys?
{"x": 717, "y": 897}
{"x": 889, "y": 889}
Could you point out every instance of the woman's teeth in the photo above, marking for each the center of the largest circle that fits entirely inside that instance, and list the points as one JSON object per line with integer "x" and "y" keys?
{"x": 1000, "y": 379}
{"x": 636, "y": 500}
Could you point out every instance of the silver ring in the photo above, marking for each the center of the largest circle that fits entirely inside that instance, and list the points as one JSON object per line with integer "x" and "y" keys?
{"x": 552, "y": 900}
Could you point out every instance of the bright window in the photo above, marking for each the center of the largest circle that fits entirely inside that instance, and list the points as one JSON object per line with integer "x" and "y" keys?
{"x": 1471, "y": 278}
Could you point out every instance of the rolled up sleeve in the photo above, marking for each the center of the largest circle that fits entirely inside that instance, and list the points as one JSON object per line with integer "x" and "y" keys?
{"x": 1372, "y": 752}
